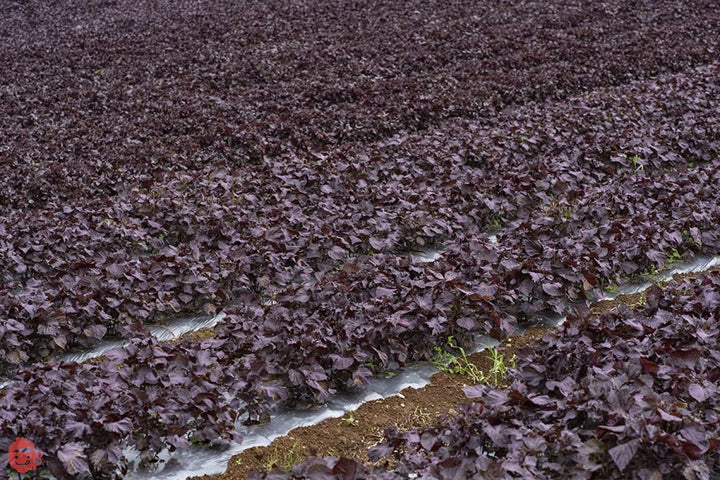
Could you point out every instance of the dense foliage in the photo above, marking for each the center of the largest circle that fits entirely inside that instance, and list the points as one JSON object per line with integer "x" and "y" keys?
{"x": 281, "y": 159}
{"x": 319, "y": 336}
{"x": 630, "y": 394}
{"x": 100, "y": 94}
{"x": 146, "y": 221}
{"x": 581, "y": 195}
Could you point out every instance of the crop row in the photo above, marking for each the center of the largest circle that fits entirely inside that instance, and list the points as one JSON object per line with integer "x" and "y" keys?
{"x": 626, "y": 394}
{"x": 371, "y": 311}
{"x": 576, "y": 197}
{"x": 100, "y": 99}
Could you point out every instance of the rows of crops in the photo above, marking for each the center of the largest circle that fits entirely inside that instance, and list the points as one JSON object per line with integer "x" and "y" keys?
{"x": 626, "y": 394}
{"x": 100, "y": 94}
{"x": 568, "y": 188}
{"x": 320, "y": 337}
{"x": 205, "y": 166}
{"x": 94, "y": 241}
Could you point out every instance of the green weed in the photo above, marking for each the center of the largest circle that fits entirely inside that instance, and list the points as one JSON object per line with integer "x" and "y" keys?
{"x": 674, "y": 256}
{"x": 636, "y": 163}
{"x": 284, "y": 459}
{"x": 495, "y": 223}
{"x": 350, "y": 419}
{"x": 687, "y": 237}
{"x": 612, "y": 288}
{"x": 461, "y": 365}
{"x": 651, "y": 270}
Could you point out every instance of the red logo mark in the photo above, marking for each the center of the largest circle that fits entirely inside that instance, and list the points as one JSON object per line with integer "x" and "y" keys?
{"x": 23, "y": 456}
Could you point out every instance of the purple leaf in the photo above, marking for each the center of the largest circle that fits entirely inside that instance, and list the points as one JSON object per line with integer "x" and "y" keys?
{"x": 698, "y": 392}
{"x": 466, "y": 323}
{"x": 667, "y": 417}
{"x": 623, "y": 454}
{"x": 428, "y": 440}
{"x": 341, "y": 363}
{"x": 73, "y": 458}
{"x": 381, "y": 292}
{"x": 95, "y": 331}
{"x": 346, "y": 469}
{"x": 552, "y": 289}
{"x": 123, "y": 426}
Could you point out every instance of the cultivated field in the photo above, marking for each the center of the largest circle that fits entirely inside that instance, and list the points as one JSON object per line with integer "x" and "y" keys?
{"x": 282, "y": 161}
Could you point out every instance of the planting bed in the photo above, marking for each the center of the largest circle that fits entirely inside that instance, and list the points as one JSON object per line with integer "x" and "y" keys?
{"x": 72, "y": 278}
{"x": 278, "y": 161}
{"x": 630, "y": 393}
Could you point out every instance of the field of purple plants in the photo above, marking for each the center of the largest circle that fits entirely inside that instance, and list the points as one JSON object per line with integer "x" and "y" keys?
{"x": 628, "y": 394}
{"x": 282, "y": 161}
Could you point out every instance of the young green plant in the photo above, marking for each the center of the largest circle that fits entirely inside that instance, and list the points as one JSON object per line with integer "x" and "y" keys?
{"x": 461, "y": 364}
{"x": 350, "y": 419}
